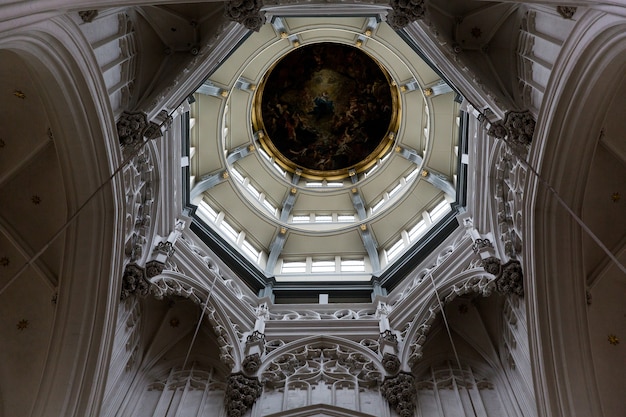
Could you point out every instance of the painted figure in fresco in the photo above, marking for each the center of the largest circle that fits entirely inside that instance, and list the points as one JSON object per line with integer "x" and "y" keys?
{"x": 326, "y": 106}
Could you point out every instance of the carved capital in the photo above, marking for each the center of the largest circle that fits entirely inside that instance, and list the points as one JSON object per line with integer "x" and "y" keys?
{"x": 511, "y": 280}
{"x": 404, "y": 12}
{"x": 518, "y": 128}
{"x": 400, "y": 393}
{"x": 251, "y": 363}
{"x": 134, "y": 282}
{"x": 246, "y": 12}
{"x": 131, "y": 128}
{"x": 241, "y": 393}
{"x": 391, "y": 363}
{"x": 509, "y": 277}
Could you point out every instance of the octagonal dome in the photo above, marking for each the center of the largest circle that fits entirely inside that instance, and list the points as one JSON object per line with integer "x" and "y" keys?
{"x": 314, "y": 219}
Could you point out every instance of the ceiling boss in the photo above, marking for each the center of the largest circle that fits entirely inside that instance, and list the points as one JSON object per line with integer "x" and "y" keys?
{"x": 326, "y": 109}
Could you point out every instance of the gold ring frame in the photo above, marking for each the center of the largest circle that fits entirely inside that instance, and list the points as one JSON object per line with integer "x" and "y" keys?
{"x": 385, "y": 141}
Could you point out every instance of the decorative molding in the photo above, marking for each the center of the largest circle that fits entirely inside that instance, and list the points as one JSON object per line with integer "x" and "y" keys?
{"x": 245, "y": 12}
{"x": 241, "y": 394}
{"x": 566, "y": 12}
{"x": 481, "y": 244}
{"x": 343, "y": 314}
{"x": 400, "y": 393}
{"x": 134, "y": 282}
{"x": 404, "y": 12}
{"x": 88, "y": 15}
{"x": 509, "y": 180}
{"x": 325, "y": 359}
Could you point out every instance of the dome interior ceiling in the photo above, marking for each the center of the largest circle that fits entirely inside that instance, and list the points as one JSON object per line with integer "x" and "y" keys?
{"x": 239, "y": 181}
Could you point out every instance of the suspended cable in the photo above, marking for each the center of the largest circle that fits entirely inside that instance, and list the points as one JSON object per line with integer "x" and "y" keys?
{"x": 456, "y": 355}
{"x": 193, "y": 339}
{"x": 568, "y": 209}
{"x": 69, "y": 221}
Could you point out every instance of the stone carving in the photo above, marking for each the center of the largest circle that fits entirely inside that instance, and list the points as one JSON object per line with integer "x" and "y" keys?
{"x": 480, "y": 244}
{"x": 407, "y": 288}
{"x": 154, "y": 268}
{"x": 344, "y": 314}
{"x": 251, "y": 363}
{"x": 566, "y": 12}
{"x": 404, "y": 12}
{"x": 255, "y": 336}
{"x": 511, "y": 280}
{"x": 246, "y": 12}
{"x": 401, "y": 394}
{"x": 166, "y": 248}
{"x": 517, "y": 129}
{"x": 492, "y": 265}
{"x": 134, "y": 282}
{"x": 323, "y": 359}
{"x": 153, "y": 131}
{"x": 241, "y": 393}
{"x": 88, "y": 15}
{"x": 391, "y": 363}
{"x": 389, "y": 336}
{"x": 139, "y": 175}
{"x": 509, "y": 277}
{"x": 509, "y": 181}
{"x": 131, "y": 128}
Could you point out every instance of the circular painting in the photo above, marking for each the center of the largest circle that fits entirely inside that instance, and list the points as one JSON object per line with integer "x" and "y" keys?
{"x": 326, "y": 108}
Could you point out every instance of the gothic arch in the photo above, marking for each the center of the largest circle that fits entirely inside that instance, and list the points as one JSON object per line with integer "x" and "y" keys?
{"x": 228, "y": 336}
{"x": 592, "y": 63}
{"x": 347, "y": 347}
{"x": 68, "y": 77}
{"x": 474, "y": 280}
